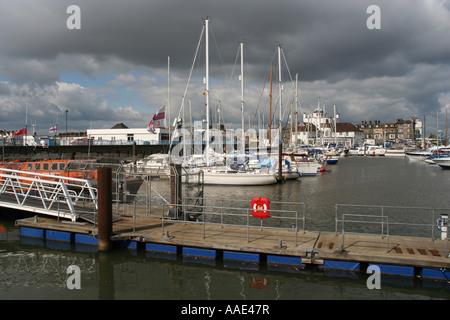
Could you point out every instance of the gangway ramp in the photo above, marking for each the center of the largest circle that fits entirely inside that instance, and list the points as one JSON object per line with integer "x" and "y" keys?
{"x": 47, "y": 194}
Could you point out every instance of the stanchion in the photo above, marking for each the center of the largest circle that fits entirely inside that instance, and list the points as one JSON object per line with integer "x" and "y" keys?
{"x": 104, "y": 209}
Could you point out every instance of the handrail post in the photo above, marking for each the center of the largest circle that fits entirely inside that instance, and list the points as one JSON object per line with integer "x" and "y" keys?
{"x": 204, "y": 223}
{"x": 432, "y": 224}
{"x": 343, "y": 231}
{"x": 387, "y": 226}
{"x": 336, "y": 218}
{"x": 248, "y": 227}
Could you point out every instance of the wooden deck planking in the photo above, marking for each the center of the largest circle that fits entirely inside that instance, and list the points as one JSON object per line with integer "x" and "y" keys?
{"x": 357, "y": 247}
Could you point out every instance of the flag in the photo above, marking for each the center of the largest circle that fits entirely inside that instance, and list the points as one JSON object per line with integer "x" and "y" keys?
{"x": 52, "y": 129}
{"x": 159, "y": 120}
{"x": 21, "y": 131}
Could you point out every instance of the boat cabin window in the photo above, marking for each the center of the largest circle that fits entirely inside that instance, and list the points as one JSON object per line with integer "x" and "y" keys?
{"x": 55, "y": 166}
{"x": 45, "y": 166}
{"x": 37, "y": 166}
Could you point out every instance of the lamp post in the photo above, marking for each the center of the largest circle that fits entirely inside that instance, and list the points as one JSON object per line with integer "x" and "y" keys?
{"x": 67, "y": 111}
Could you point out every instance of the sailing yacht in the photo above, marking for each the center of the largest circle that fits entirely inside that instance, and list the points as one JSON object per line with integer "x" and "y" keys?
{"x": 225, "y": 175}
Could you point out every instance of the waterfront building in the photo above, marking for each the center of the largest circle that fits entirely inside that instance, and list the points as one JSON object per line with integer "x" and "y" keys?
{"x": 348, "y": 135}
{"x": 121, "y": 134}
{"x": 406, "y": 131}
{"x": 319, "y": 129}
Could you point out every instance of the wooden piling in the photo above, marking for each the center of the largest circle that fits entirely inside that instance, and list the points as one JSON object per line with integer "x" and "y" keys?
{"x": 104, "y": 209}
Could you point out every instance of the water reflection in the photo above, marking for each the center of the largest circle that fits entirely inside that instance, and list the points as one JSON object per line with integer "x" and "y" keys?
{"x": 31, "y": 273}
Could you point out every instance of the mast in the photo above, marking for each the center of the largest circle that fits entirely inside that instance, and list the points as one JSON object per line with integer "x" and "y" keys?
{"x": 242, "y": 94}
{"x": 317, "y": 123}
{"x": 296, "y": 109}
{"x": 168, "y": 93}
{"x": 292, "y": 120}
{"x": 335, "y": 127}
{"x": 168, "y": 104}
{"x": 280, "y": 139}
{"x": 280, "y": 87}
{"x": 207, "y": 90}
{"x": 437, "y": 128}
{"x": 270, "y": 106}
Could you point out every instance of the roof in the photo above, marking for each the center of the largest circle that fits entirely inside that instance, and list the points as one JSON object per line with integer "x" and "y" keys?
{"x": 304, "y": 126}
{"x": 346, "y": 127}
{"x": 119, "y": 126}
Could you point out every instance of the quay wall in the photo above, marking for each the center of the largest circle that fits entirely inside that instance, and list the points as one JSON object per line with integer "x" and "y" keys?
{"x": 104, "y": 154}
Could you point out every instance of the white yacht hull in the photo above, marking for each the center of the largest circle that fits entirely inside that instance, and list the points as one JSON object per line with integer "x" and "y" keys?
{"x": 308, "y": 168}
{"x": 218, "y": 177}
{"x": 415, "y": 156}
{"x": 444, "y": 163}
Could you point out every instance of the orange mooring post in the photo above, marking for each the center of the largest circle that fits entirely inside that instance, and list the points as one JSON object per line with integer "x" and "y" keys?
{"x": 104, "y": 208}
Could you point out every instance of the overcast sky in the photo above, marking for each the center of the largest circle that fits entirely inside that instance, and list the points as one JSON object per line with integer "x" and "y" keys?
{"x": 115, "y": 68}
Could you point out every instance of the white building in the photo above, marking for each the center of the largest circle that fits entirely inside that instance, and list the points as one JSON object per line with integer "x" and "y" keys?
{"x": 120, "y": 134}
{"x": 320, "y": 130}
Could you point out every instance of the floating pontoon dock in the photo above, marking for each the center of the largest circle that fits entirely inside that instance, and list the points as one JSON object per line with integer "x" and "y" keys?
{"x": 207, "y": 234}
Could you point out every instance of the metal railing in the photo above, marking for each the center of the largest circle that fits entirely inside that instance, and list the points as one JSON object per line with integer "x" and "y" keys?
{"x": 408, "y": 221}
{"x": 388, "y": 221}
{"x": 236, "y": 216}
{"x": 384, "y": 222}
{"x": 45, "y": 193}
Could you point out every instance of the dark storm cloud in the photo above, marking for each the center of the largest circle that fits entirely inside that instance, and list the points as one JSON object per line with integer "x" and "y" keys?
{"x": 402, "y": 65}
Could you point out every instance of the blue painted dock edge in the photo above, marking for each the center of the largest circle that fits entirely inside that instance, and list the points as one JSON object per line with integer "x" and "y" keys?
{"x": 91, "y": 240}
{"x": 165, "y": 248}
{"x": 59, "y": 236}
{"x": 341, "y": 265}
{"x": 439, "y": 274}
{"x": 32, "y": 232}
{"x": 395, "y": 270}
{"x": 196, "y": 252}
{"x": 241, "y": 256}
{"x": 285, "y": 260}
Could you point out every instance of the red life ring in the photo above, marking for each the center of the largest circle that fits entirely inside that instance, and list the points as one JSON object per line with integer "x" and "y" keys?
{"x": 260, "y": 207}
{"x": 259, "y": 283}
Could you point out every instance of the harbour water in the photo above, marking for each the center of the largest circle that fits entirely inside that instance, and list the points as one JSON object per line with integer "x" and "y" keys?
{"x": 39, "y": 271}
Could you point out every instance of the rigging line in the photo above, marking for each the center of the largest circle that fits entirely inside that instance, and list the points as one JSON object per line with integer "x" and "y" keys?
{"x": 217, "y": 48}
{"x": 234, "y": 67}
{"x": 187, "y": 84}
{"x": 291, "y": 81}
{"x": 231, "y": 76}
{"x": 265, "y": 79}
{"x": 260, "y": 98}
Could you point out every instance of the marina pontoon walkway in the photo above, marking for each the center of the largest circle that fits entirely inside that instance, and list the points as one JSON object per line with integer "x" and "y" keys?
{"x": 311, "y": 247}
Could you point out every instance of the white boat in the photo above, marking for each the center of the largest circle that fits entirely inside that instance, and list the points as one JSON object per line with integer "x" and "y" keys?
{"x": 395, "y": 153}
{"x": 331, "y": 157}
{"x": 420, "y": 155}
{"x": 367, "y": 151}
{"x": 225, "y": 175}
{"x": 375, "y": 151}
{"x": 157, "y": 164}
{"x": 290, "y": 172}
{"x": 308, "y": 167}
{"x": 443, "y": 162}
{"x": 228, "y": 176}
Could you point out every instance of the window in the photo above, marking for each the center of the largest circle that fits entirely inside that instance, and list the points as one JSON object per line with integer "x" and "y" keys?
{"x": 130, "y": 137}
